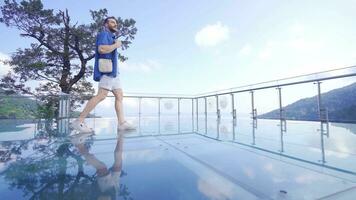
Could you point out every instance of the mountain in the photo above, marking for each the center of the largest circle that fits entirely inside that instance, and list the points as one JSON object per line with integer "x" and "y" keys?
{"x": 341, "y": 105}
{"x": 22, "y": 107}
{"x": 16, "y": 107}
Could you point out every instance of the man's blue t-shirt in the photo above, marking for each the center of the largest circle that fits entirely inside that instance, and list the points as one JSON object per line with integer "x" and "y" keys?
{"x": 105, "y": 38}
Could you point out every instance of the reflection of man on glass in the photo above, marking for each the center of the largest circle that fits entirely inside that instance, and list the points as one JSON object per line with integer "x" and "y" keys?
{"x": 108, "y": 180}
{"x": 106, "y": 49}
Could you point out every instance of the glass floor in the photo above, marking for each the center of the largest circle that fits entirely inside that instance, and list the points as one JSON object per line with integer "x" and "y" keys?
{"x": 171, "y": 158}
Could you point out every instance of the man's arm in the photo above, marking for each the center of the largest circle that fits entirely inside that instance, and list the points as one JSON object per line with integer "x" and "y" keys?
{"x": 103, "y": 49}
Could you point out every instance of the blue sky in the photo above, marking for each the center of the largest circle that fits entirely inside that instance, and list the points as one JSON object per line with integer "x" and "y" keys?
{"x": 198, "y": 46}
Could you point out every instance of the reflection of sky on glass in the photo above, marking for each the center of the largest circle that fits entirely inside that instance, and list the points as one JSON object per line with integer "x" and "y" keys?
{"x": 215, "y": 166}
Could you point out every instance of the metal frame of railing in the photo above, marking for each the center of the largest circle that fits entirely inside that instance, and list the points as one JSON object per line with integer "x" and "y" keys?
{"x": 322, "y": 111}
{"x": 64, "y": 109}
{"x": 323, "y": 114}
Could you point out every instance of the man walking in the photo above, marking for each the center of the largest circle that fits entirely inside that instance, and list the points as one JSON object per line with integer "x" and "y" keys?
{"x": 106, "y": 48}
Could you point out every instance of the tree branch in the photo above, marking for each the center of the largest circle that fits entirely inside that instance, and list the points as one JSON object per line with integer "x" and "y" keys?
{"x": 40, "y": 40}
{"x": 79, "y": 75}
{"x": 48, "y": 79}
{"x": 76, "y": 47}
{"x": 90, "y": 57}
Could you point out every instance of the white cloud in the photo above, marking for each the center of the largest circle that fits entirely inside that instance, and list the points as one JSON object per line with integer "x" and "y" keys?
{"x": 297, "y": 29}
{"x": 249, "y": 172}
{"x": 212, "y": 35}
{"x": 144, "y": 67}
{"x": 246, "y": 50}
{"x": 208, "y": 186}
{"x": 308, "y": 52}
{"x": 268, "y": 167}
{"x": 270, "y": 48}
{"x": 353, "y": 56}
{"x": 304, "y": 45}
{"x": 265, "y": 54}
{"x": 304, "y": 42}
{"x": 142, "y": 155}
{"x": 4, "y": 69}
{"x": 306, "y": 178}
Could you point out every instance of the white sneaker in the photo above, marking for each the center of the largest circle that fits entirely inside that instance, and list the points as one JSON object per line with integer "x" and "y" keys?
{"x": 81, "y": 127}
{"x": 126, "y": 126}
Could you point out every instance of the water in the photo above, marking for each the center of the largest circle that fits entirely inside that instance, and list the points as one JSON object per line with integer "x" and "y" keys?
{"x": 164, "y": 159}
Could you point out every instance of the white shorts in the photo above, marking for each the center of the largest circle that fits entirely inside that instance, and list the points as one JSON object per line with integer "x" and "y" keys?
{"x": 110, "y": 83}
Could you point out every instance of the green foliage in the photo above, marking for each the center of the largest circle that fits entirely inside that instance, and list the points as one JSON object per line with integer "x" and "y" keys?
{"x": 58, "y": 57}
{"x": 17, "y": 108}
{"x": 22, "y": 107}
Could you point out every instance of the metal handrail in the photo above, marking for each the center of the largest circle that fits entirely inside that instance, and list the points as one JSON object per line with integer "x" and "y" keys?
{"x": 322, "y": 111}
{"x": 280, "y": 85}
{"x": 276, "y": 80}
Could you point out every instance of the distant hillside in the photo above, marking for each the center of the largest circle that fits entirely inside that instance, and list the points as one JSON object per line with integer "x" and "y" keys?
{"x": 16, "y": 108}
{"x": 26, "y": 108}
{"x": 341, "y": 105}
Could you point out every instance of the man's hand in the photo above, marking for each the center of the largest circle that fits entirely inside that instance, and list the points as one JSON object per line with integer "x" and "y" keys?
{"x": 117, "y": 43}
{"x": 109, "y": 48}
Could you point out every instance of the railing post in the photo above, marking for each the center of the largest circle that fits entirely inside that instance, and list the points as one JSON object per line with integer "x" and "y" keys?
{"x": 283, "y": 123}
{"x": 322, "y": 111}
{"x": 64, "y": 114}
{"x": 283, "y": 128}
{"x": 206, "y": 115}
{"x": 325, "y": 128}
{"x": 254, "y": 127}
{"x": 280, "y": 103}
{"x": 217, "y": 107}
{"x": 233, "y": 130}
{"x": 322, "y": 142}
{"x": 159, "y": 115}
{"x": 322, "y": 122}
{"x": 178, "y": 102}
{"x": 159, "y": 107}
{"x": 39, "y": 120}
{"x": 319, "y": 101}
{"x": 139, "y": 114}
{"x": 192, "y": 115}
{"x": 218, "y": 129}
{"x": 197, "y": 111}
{"x": 139, "y": 106}
{"x": 233, "y": 110}
{"x": 254, "y": 111}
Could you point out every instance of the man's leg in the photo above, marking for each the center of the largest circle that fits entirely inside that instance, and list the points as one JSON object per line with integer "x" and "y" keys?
{"x": 102, "y": 93}
{"x": 118, "y": 105}
{"x": 100, "y": 167}
{"x": 118, "y": 154}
